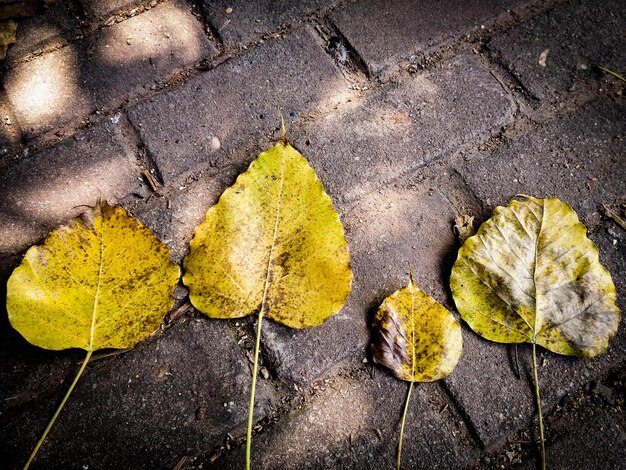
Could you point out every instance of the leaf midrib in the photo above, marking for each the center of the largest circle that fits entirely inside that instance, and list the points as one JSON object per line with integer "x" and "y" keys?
{"x": 95, "y": 300}
{"x": 541, "y": 224}
{"x": 413, "y": 331}
{"x": 275, "y": 233}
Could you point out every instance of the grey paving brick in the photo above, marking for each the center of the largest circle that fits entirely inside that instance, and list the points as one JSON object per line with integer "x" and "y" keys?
{"x": 45, "y": 189}
{"x": 240, "y": 21}
{"x": 206, "y": 121}
{"x": 578, "y": 36}
{"x": 145, "y": 408}
{"x": 360, "y": 147}
{"x": 388, "y": 34}
{"x": 355, "y": 425}
{"x": 387, "y": 231}
{"x": 61, "y": 88}
{"x": 54, "y": 27}
{"x": 557, "y": 160}
{"x": 578, "y": 159}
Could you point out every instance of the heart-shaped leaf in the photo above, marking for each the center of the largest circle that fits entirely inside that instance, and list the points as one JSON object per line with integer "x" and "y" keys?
{"x": 530, "y": 274}
{"x": 273, "y": 239}
{"x": 417, "y": 339}
{"x": 103, "y": 281}
{"x": 273, "y": 244}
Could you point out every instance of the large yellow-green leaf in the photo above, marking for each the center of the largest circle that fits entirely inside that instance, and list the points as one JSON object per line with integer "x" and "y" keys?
{"x": 416, "y": 337}
{"x": 530, "y": 274}
{"x": 273, "y": 239}
{"x": 103, "y": 281}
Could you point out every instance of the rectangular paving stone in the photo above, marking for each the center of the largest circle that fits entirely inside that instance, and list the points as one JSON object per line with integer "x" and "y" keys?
{"x": 173, "y": 395}
{"x": 353, "y": 423}
{"x": 208, "y": 120}
{"x": 389, "y": 34}
{"x": 387, "y": 231}
{"x": 360, "y": 147}
{"x": 61, "y": 88}
{"x": 241, "y": 21}
{"x": 48, "y": 188}
{"x": 558, "y": 160}
{"x": 576, "y": 36}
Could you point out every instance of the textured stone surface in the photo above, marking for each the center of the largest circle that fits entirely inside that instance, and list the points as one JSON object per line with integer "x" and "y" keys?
{"x": 400, "y": 159}
{"x": 557, "y": 160}
{"x": 55, "y": 26}
{"x": 175, "y": 218}
{"x": 387, "y": 231}
{"x": 10, "y": 132}
{"x": 360, "y": 432}
{"x": 578, "y": 35}
{"x": 205, "y": 121}
{"x": 178, "y": 382}
{"x": 601, "y": 441}
{"x": 578, "y": 159}
{"x": 60, "y": 88}
{"x": 425, "y": 118}
{"x": 387, "y": 34}
{"x": 45, "y": 189}
{"x": 100, "y": 9}
{"x": 251, "y": 20}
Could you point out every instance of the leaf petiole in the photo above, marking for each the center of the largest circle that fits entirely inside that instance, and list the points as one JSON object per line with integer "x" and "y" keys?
{"x": 406, "y": 407}
{"x": 252, "y": 389}
{"x": 541, "y": 436}
{"x": 612, "y": 73}
{"x": 58, "y": 411}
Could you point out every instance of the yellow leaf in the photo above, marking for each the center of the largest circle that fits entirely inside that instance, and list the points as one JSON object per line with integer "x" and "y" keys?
{"x": 530, "y": 274}
{"x": 273, "y": 239}
{"x": 273, "y": 244}
{"x": 103, "y": 281}
{"x": 415, "y": 337}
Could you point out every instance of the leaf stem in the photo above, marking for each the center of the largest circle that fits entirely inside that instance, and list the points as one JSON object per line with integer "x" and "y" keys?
{"x": 612, "y": 73}
{"x": 252, "y": 389}
{"x": 541, "y": 436}
{"x": 58, "y": 411}
{"x": 406, "y": 407}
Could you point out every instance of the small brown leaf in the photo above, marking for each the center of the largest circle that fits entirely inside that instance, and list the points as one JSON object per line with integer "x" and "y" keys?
{"x": 543, "y": 56}
{"x": 464, "y": 227}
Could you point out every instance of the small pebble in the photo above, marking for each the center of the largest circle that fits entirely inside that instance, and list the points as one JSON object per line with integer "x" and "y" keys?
{"x": 229, "y": 10}
{"x": 215, "y": 143}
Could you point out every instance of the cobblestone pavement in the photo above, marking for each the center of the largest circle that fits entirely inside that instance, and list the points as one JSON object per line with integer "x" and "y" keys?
{"x": 411, "y": 113}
